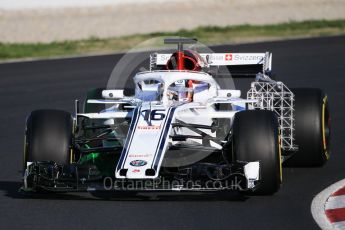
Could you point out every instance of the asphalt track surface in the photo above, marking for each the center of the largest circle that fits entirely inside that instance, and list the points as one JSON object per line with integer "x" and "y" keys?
{"x": 27, "y": 86}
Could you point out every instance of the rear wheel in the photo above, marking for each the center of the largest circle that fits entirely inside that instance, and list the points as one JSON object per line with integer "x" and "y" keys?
{"x": 48, "y": 137}
{"x": 312, "y": 128}
{"x": 256, "y": 138}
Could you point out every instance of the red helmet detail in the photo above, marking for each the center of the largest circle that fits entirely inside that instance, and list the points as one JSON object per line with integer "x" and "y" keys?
{"x": 184, "y": 60}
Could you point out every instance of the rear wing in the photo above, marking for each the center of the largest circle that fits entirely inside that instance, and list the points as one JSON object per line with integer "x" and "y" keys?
{"x": 236, "y": 63}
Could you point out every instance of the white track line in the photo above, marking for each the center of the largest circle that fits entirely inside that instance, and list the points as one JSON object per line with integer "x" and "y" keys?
{"x": 339, "y": 225}
{"x": 318, "y": 206}
{"x": 334, "y": 202}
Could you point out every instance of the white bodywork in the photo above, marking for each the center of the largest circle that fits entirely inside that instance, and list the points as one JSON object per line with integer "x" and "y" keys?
{"x": 148, "y": 140}
{"x": 155, "y": 111}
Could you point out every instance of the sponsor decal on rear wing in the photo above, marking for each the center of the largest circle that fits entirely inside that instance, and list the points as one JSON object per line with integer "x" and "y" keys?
{"x": 228, "y": 59}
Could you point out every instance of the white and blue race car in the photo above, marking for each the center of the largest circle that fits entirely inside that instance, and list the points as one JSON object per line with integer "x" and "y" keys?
{"x": 181, "y": 130}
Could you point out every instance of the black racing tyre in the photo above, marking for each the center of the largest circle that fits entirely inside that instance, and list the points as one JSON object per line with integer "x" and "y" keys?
{"x": 94, "y": 94}
{"x": 256, "y": 138}
{"x": 312, "y": 128}
{"x": 48, "y": 137}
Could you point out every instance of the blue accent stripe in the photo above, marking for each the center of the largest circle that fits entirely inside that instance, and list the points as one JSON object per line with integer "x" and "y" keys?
{"x": 164, "y": 136}
{"x": 239, "y": 108}
{"x": 161, "y": 136}
{"x": 129, "y": 137}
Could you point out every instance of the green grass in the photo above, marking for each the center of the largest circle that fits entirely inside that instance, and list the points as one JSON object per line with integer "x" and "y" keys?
{"x": 206, "y": 35}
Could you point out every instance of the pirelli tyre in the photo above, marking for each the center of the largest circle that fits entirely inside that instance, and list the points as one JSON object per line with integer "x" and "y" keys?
{"x": 48, "y": 137}
{"x": 256, "y": 138}
{"x": 312, "y": 128}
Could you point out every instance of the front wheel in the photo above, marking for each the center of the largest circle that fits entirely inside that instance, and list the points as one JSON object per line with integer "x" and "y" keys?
{"x": 256, "y": 138}
{"x": 48, "y": 137}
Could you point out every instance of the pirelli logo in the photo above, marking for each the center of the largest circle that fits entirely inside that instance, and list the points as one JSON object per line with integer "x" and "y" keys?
{"x": 146, "y": 127}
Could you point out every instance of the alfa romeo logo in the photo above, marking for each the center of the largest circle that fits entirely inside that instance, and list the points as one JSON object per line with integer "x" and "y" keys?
{"x": 138, "y": 163}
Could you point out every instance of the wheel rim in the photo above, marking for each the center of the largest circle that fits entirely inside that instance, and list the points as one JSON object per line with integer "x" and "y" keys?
{"x": 280, "y": 159}
{"x": 326, "y": 127}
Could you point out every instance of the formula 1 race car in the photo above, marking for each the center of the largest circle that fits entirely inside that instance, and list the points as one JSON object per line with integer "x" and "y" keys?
{"x": 181, "y": 130}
